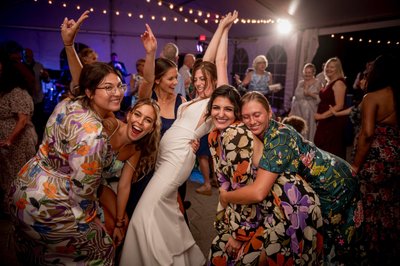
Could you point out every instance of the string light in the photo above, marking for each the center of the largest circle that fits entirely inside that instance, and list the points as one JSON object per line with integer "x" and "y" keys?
{"x": 367, "y": 40}
{"x": 210, "y": 16}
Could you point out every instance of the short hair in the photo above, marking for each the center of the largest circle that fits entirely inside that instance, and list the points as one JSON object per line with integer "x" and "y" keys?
{"x": 170, "y": 51}
{"x": 260, "y": 59}
{"x": 310, "y": 65}
{"x": 298, "y": 123}
{"x": 139, "y": 62}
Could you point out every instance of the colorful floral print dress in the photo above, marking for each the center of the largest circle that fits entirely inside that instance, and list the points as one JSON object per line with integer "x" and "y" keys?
{"x": 380, "y": 183}
{"x": 285, "y": 150}
{"x": 286, "y": 225}
{"x": 54, "y": 198}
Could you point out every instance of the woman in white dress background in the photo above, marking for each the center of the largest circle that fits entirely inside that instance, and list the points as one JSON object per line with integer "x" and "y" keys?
{"x": 306, "y": 99}
{"x": 157, "y": 233}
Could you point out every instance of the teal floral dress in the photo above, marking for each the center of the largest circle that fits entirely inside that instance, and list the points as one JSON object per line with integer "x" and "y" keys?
{"x": 286, "y": 151}
{"x": 286, "y": 225}
{"x": 54, "y": 197}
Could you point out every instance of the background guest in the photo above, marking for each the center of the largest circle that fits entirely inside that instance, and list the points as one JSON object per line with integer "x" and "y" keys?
{"x": 306, "y": 99}
{"x": 330, "y": 133}
{"x": 259, "y": 79}
{"x": 377, "y": 161}
{"x": 18, "y": 137}
{"x": 41, "y": 74}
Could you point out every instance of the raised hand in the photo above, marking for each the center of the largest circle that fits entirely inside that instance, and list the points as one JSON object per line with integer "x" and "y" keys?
{"x": 148, "y": 40}
{"x": 228, "y": 19}
{"x": 69, "y": 28}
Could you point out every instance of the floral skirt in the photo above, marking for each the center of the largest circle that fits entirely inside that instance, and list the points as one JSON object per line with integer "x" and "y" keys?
{"x": 290, "y": 229}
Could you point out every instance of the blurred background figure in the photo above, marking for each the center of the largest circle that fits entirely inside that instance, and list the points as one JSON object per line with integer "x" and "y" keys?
{"x": 321, "y": 76}
{"x": 306, "y": 99}
{"x": 171, "y": 52}
{"x": 119, "y": 67}
{"x": 18, "y": 137}
{"x": 330, "y": 133}
{"x": 41, "y": 75}
{"x": 377, "y": 162}
{"x": 185, "y": 72}
{"x": 259, "y": 79}
{"x": 88, "y": 56}
{"x": 134, "y": 83}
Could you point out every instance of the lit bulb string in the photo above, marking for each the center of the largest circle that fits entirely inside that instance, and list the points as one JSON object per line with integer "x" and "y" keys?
{"x": 202, "y": 16}
{"x": 365, "y": 40}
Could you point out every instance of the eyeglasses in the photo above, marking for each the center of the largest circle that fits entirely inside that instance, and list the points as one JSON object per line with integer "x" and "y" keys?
{"x": 112, "y": 90}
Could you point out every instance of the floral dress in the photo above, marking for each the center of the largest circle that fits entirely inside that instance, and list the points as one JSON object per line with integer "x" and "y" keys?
{"x": 54, "y": 198}
{"x": 286, "y": 225}
{"x": 18, "y": 101}
{"x": 285, "y": 150}
{"x": 380, "y": 183}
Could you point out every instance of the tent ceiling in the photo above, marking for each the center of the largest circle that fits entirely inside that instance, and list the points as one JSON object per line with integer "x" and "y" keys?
{"x": 303, "y": 13}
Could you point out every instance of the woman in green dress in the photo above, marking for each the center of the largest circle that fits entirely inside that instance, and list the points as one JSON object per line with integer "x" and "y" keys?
{"x": 286, "y": 151}
{"x": 284, "y": 228}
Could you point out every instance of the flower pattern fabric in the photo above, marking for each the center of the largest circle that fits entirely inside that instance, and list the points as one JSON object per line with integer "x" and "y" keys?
{"x": 54, "y": 198}
{"x": 286, "y": 225}
{"x": 286, "y": 151}
{"x": 380, "y": 183}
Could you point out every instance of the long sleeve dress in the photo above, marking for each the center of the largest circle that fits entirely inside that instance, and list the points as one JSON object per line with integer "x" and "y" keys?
{"x": 54, "y": 198}
{"x": 286, "y": 224}
{"x": 306, "y": 107}
{"x": 157, "y": 232}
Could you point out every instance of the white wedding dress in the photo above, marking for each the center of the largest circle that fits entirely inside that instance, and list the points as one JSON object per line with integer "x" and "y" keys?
{"x": 157, "y": 233}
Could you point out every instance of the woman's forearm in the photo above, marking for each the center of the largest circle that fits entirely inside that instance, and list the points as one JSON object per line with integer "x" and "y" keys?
{"x": 19, "y": 126}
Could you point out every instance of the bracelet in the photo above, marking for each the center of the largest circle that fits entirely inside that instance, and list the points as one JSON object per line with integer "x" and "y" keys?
{"x": 68, "y": 45}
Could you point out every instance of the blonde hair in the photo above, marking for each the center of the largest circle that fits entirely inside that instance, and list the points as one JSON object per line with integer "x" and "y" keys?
{"x": 149, "y": 144}
{"x": 338, "y": 64}
{"x": 260, "y": 59}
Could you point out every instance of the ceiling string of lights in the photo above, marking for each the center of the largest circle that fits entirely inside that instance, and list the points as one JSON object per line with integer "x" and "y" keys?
{"x": 189, "y": 14}
{"x": 365, "y": 40}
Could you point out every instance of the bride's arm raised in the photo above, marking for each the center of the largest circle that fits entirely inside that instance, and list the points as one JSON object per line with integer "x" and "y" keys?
{"x": 211, "y": 51}
{"x": 221, "y": 60}
{"x": 150, "y": 45}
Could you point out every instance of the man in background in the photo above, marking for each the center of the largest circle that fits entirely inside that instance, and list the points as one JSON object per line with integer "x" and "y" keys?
{"x": 40, "y": 74}
{"x": 185, "y": 72}
{"x": 171, "y": 52}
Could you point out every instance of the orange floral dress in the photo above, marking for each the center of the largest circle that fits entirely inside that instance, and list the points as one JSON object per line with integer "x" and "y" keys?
{"x": 286, "y": 225}
{"x": 54, "y": 197}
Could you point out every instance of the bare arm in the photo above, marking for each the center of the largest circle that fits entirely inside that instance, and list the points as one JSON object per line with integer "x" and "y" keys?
{"x": 368, "y": 118}
{"x": 339, "y": 90}
{"x": 253, "y": 193}
{"x": 222, "y": 52}
{"x": 212, "y": 48}
{"x": 247, "y": 78}
{"x": 150, "y": 45}
{"x": 19, "y": 126}
{"x": 69, "y": 29}
{"x": 124, "y": 189}
{"x": 340, "y": 113}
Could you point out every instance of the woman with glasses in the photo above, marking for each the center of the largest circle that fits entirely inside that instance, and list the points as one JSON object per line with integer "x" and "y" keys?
{"x": 134, "y": 143}
{"x": 54, "y": 197}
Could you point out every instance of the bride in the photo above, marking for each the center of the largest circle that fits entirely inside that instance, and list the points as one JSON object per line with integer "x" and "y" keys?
{"x": 157, "y": 233}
